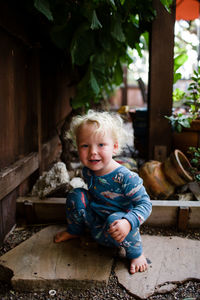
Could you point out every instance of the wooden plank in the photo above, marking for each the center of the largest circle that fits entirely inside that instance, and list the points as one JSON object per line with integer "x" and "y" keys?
{"x": 8, "y": 105}
{"x": 1, "y": 223}
{"x": 160, "y": 81}
{"x": 171, "y": 213}
{"x": 194, "y": 217}
{"x": 11, "y": 177}
{"x": 164, "y": 213}
{"x": 45, "y": 201}
{"x": 17, "y": 105}
{"x": 8, "y": 214}
{"x": 39, "y": 107}
{"x": 36, "y": 210}
{"x": 165, "y": 216}
{"x": 124, "y": 88}
{"x": 15, "y": 174}
{"x": 183, "y": 217}
{"x": 172, "y": 203}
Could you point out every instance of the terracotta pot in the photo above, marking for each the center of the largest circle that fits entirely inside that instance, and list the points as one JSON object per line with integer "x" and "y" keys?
{"x": 161, "y": 179}
{"x": 189, "y": 137}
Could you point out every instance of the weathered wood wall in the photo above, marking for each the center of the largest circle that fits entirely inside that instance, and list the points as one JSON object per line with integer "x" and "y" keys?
{"x": 34, "y": 100}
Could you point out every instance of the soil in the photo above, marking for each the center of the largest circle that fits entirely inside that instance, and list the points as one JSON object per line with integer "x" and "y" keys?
{"x": 189, "y": 290}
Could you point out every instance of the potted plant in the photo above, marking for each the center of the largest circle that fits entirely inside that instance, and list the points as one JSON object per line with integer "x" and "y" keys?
{"x": 194, "y": 159}
{"x": 186, "y": 120}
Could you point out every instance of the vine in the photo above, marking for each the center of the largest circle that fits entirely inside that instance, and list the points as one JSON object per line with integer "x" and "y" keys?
{"x": 96, "y": 34}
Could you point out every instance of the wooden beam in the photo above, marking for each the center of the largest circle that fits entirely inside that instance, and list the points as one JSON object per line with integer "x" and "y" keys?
{"x": 165, "y": 213}
{"x": 12, "y": 176}
{"x": 183, "y": 217}
{"x": 162, "y": 215}
{"x": 35, "y": 210}
{"x": 124, "y": 88}
{"x": 161, "y": 61}
{"x": 15, "y": 174}
{"x": 183, "y": 214}
{"x": 37, "y": 88}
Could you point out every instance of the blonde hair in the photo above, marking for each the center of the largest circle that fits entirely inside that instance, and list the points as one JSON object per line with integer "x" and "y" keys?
{"x": 104, "y": 121}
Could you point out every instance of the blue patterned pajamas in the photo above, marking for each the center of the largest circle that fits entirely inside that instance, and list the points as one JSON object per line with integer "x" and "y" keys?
{"x": 80, "y": 214}
{"x": 119, "y": 194}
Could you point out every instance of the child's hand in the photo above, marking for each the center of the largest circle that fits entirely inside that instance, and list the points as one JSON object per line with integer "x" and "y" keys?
{"x": 119, "y": 229}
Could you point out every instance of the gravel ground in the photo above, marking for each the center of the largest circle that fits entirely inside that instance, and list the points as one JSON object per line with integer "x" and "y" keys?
{"x": 189, "y": 290}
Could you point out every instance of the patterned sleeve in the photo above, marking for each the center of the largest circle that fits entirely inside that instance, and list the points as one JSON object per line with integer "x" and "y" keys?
{"x": 139, "y": 205}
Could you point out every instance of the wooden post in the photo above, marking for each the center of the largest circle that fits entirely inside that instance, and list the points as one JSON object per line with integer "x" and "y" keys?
{"x": 124, "y": 89}
{"x": 36, "y": 59}
{"x": 160, "y": 82}
{"x": 183, "y": 218}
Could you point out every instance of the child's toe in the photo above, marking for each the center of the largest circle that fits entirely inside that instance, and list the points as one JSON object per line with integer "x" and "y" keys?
{"x": 132, "y": 269}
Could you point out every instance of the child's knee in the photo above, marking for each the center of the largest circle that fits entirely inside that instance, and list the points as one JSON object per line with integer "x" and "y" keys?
{"x": 113, "y": 217}
{"x": 77, "y": 198}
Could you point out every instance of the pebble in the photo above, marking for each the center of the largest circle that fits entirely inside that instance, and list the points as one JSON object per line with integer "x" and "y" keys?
{"x": 52, "y": 293}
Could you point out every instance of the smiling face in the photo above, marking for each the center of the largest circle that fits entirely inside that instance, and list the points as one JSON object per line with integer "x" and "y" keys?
{"x": 96, "y": 149}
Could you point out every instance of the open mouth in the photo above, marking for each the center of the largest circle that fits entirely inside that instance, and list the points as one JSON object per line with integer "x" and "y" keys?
{"x": 94, "y": 161}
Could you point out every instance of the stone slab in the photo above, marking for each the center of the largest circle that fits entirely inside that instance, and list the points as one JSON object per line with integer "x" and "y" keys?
{"x": 172, "y": 260}
{"x": 39, "y": 263}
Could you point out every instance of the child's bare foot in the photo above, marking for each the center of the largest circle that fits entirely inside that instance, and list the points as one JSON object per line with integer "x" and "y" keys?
{"x": 138, "y": 264}
{"x": 64, "y": 236}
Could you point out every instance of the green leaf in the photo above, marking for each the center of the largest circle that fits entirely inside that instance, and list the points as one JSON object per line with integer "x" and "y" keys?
{"x": 146, "y": 37}
{"x": 83, "y": 39}
{"x": 132, "y": 34}
{"x": 185, "y": 123}
{"x": 95, "y": 21}
{"x": 127, "y": 59}
{"x": 117, "y": 31}
{"x": 137, "y": 46}
{"x": 194, "y": 161}
{"x": 179, "y": 128}
{"x": 112, "y": 2}
{"x": 97, "y": 34}
{"x": 79, "y": 101}
{"x": 195, "y": 72}
{"x": 118, "y": 74}
{"x": 167, "y": 4}
{"x": 179, "y": 60}
{"x": 178, "y": 95}
{"x": 94, "y": 84}
{"x": 177, "y": 76}
{"x": 85, "y": 91}
{"x": 44, "y": 8}
{"x": 198, "y": 179}
{"x": 197, "y": 154}
{"x": 83, "y": 95}
{"x": 105, "y": 41}
{"x": 59, "y": 33}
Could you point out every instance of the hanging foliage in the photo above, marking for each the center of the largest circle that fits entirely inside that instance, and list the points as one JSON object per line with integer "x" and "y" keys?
{"x": 96, "y": 34}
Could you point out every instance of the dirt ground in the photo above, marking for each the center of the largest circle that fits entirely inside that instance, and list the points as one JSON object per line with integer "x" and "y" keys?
{"x": 189, "y": 290}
